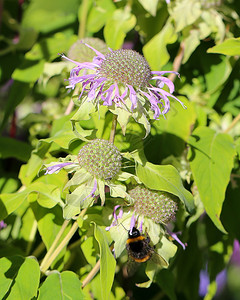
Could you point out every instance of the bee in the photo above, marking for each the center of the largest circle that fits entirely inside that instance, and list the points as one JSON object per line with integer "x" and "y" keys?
{"x": 140, "y": 250}
{"x": 138, "y": 246}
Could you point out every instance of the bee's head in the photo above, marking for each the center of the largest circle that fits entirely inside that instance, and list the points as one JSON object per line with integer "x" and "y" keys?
{"x": 133, "y": 233}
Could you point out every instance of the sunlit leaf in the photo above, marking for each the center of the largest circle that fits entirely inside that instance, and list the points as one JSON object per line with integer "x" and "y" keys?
{"x": 22, "y": 275}
{"x": 117, "y": 27}
{"x": 150, "y": 6}
{"x": 107, "y": 263}
{"x": 228, "y": 47}
{"x": 155, "y": 51}
{"x": 165, "y": 178}
{"x": 65, "y": 286}
{"x": 211, "y": 161}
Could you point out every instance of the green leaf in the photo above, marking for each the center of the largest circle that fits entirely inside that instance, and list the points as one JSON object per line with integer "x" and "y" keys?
{"x": 165, "y": 178}
{"x": 5, "y": 281}
{"x": 48, "y": 194}
{"x": 185, "y": 13}
{"x": 10, "y": 202}
{"x": 158, "y": 44}
{"x": 173, "y": 122}
{"x": 29, "y": 171}
{"x": 49, "y": 48}
{"x": 216, "y": 73}
{"x": 121, "y": 22}
{"x": 238, "y": 147}
{"x": 39, "y": 13}
{"x": 8, "y": 149}
{"x": 17, "y": 93}
{"x": 29, "y": 71}
{"x": 21, "y": 276}
{"x": 49, "y": 222}
{"x": 150, "y": 6}
{"x": 65, "y": 286}
{"x": 101, "y": 11}
{"x": 165, "y": 280}
{"x": 107, "y": 262}
{"x": 211, "y": 160}
{"x": 228, "y": 47}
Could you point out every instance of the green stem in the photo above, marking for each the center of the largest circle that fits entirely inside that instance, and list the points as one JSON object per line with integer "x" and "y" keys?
{"x": 91, "y": 274}
{"x": 54, "y": 244}
{"x": 32, "y": 236}
{"x": 38, "y": 250}
{"x": 50, "y": 258}
{"x": 113, "y": 130}
{"x": 177, "y": 62}
{"x": 234, "y": 122}
{"x": 83, "y": 19}
{"x": 71, "y": 103}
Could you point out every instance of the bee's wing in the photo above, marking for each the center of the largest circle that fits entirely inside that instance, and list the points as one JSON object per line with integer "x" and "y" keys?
{"x": 159, "y": 260}
{"x": 132, "y": 267}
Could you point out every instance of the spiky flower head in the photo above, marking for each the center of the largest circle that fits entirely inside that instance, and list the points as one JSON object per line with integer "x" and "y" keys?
{"x": 122, "y": 80}
{"x": 100, "y": 158}
{"x": 156, "y": 205}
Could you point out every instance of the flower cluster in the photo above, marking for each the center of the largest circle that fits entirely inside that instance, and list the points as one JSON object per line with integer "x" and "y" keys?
{"x": 155, "y": 205}
{"x": 100, "y": 158}
{"x": 123, "y": 79}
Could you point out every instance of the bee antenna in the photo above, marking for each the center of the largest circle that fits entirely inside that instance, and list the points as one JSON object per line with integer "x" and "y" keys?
{"x": 124, "y": 227}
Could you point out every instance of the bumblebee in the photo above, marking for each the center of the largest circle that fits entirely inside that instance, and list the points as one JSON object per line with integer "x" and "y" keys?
{"x": 138, "y": 246}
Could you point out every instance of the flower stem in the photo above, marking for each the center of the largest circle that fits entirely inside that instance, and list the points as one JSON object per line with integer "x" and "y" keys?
{"x": 54, "y": 244}
{"x": 83, "y": 19}
{"x": 177, "y": 62}
{"x": 113, "y": 130}
{"x": 91, "y": 274}
{"x": 234, "y": 122}
{"x": 71, "y": 103}
{"x": 47, "y": 262}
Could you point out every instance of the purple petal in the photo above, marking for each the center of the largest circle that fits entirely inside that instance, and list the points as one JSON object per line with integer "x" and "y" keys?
{"x": 56, "y": 168}
{"x": 2, "y": 225}
{"x": 174, "y": 235}
{"x": 115, "y": 217}
{"x": 203, "y": 283}
{"x": 107, "y": 100}
{"x": 96, "y": 51}
{"x": 133, "y": 97}
{"x": 160, "y": 73}
{"x": 163, "y": 80}
{"x": 132, "y": 223}
{"x": 91, "y": 194}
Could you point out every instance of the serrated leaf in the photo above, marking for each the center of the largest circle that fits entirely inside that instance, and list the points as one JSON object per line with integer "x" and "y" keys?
{"x": 211, "y": 160}
{"x": 107, "y": 262}
{"x": 155, "y": 51}
{"x": 228, "y": 47}
{"x": 165, "y": 178}
{"x": 116, "y": 28}
{"x": 64, "y": 286}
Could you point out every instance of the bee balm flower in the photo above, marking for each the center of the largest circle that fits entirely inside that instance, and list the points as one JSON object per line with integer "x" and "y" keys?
{"x": 122, "y": 79}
